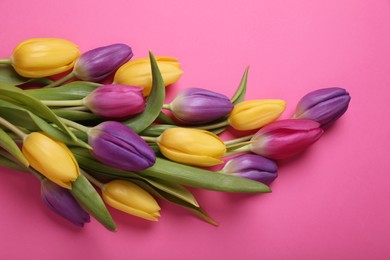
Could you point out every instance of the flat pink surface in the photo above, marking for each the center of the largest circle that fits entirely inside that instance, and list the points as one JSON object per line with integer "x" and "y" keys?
{"x": 332, "y": 202}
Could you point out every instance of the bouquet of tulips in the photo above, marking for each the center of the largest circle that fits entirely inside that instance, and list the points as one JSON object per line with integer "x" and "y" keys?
{"x": 80, "y": 135}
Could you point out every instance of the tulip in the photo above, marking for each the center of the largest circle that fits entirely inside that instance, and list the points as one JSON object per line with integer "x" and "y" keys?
{"x": 323, "y": 105}
{"x": 62, "y": 202}
{"x": 138, "y": 72}
{"x": 115, "y": 101}
{"x": 253, "y": 167}
{"x": 199, "y": 106}
{"x": 97, "y": 64}
{"x": 285, "y": 138}
{"x": 51, "y": 158}
{"x": 116, "y": 145}
{"x": 191, "y": 146}
{"x": 129, "y": 198}
{"x": 253, "y": 114}
{"x": 43, "y": 57}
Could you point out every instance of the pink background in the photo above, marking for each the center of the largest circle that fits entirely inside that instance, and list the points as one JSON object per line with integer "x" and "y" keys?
{"x": 332, "y": 202}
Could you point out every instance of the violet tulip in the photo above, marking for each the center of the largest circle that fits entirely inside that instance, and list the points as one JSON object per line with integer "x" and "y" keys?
{"x": 116, "y": 145}
{"x": 323, "y": 105}
{"x": 61, "y": 201}
{"x": 99, "y": 63}
{"x": 284, "y": 138}
{"x": 115, "y": 101}
{"x": 199, "y": 106}
{"x": 253, "y": 167}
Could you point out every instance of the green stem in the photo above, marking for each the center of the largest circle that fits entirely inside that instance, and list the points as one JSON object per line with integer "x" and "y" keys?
{"x": 75, "y": 125}
{"x": 214, "y": 126}
{"x": 231, "y": 146}
{"x": 92, "y": 179}
{"x": 63, "y": 103}
{"x": 166, "y": 106}
{"x": 150, "y": 139}
{"x": 13, "y": 128}
{"x": 61, "y": 80}
{"x": 238, "y": 140}
{"x": 5, "y": 61}
{"x": 238, "y": 150}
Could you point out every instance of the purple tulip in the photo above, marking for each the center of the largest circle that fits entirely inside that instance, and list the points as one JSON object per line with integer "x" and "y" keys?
{"x": 116, "y": 145}
{"x": 61, "y": 201}
{"x": 285, "y": 138}
{"x": 199, "y": 106}
{"x": 116, "y": 101}
{"x": 253, "y": 167}
{"x": 97, "y": 64}
{"x": 323, "y": 105}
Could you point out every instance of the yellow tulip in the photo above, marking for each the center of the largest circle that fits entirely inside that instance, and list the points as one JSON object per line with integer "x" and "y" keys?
{"x": 51, "y": 158}
{"x": 138, "y": 72}
{"x": 43, "y": 57}
{"x": 254, "y": 114}
{"x": 191, "y": 146}
{"x": 130, "y": 198}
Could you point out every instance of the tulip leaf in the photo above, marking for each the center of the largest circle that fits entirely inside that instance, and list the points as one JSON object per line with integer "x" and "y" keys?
{"x": 22, "y": 117}
{"x": 240, "y": 93}
{"x": 83, "y": 191}
{"x": 154, "y": 103}
{"x": 75, "y": 90}
{"x": 20, "y": 96}
{"x": 75, "y": 115}
{"x": 8, "y": 161}
{"x": 8, "y": 144}
{"x": 155, "y": 130}
{"x": 165, "y": 118}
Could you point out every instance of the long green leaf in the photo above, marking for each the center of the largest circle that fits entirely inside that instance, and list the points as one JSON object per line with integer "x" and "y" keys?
{"x": 8, "y": 144}
{"x": 154, "y": 102}
{"x": 240, "y": 93}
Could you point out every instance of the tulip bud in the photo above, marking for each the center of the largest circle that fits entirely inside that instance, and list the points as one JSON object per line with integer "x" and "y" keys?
{"x": 116, "y": 145}
{"x": 138, "y": 72}
{"x": 323, "y": 105}
{"x": 97, "y": 64}
{"x": 253, "y": 114}
{"x": 199, "y": 106}
{"x": 62, "y": 202}
{"x": 285, "y": 138}
{"x": 43, "y": 57}
{"x": 253, "y": 167}
{"x": 191, "y": 146}
{"x": 115, "y": 101}
{"x": 129, "y": 198}
{"x": 51, "y": 158}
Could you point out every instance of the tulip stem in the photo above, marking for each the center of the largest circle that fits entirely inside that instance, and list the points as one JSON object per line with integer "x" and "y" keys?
{"x": 61, "y": 80}
{"x": 13, "y": 128}
{"x": 150, "y": 139}
{"x": 75, "y": 125}
{"x": 214, "y": 126}
{"x": 63, "y": 103}
{"x": 5, "y": 61}
{"x": 166, "y": 106}
{"x": 242, "y": 149}
{"x": 238, "y": 140}
{"x": 92, "y": 179}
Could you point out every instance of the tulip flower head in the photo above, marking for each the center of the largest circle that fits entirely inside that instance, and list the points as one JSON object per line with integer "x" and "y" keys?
{"x": 253, "y": 114}
{"x": 116, "y": 145}
{"x": 62, "y": 202}
{"x": 191, "y": 146}
{"x": 115, "y": 101}
{"x": 51, "y": 158}
{"x": 253, "y": 167}
{"x": 97, "y": 64}
{"x": 130, "y": 198}
{"x": 323, "y": 105}
{"x": 138, "y": 72}
{"x": 284, "y": 138}
{"x": 43, "y": 57}
{"x": 199, "y": 106}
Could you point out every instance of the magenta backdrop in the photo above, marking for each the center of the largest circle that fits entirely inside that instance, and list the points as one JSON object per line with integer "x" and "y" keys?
{"x": 332, "y": 202}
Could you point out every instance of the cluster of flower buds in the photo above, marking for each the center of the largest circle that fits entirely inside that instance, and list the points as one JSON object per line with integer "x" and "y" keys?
{"x": 82, "y": 129}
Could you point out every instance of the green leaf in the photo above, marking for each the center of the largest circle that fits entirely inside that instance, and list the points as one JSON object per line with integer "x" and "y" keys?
{"x": 165, "y": 118}
{"x": 75, "y": 90}
{"x": 10, "y": 163}
{"x": 34, "y": 105}
{"x": 240, "y": 93}
{"x": 8, "y": 144}
{"x": 154, "y": 102}
{"x": 75, "y": 115}
{"x": 10, "y": 76}
{"x": 90, "y": 200}
{"x": 155, "y": 130}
